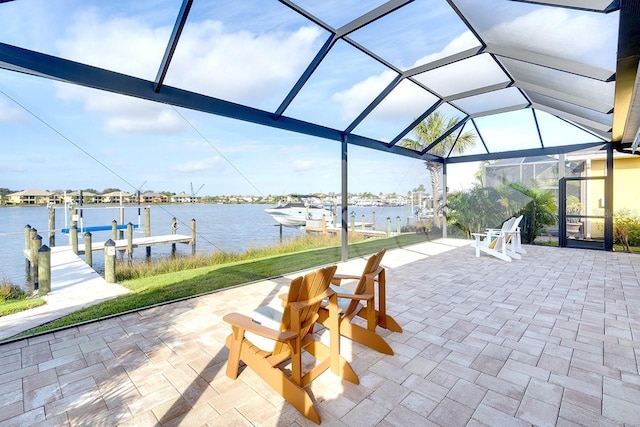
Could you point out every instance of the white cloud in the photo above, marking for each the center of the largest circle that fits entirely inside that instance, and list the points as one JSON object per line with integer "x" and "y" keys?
{"x": 238, "y": 66}
{"x": 125, "y": 115}
{"x": 302, "y": 165}
{"x": 356, "y": 98}
{"x": 198, "y": 165}
{"x": 11, "y": 169}
{"x": 400, "y": 105}
{"x": 559, "y": 32}
{"x": 461, "y": 43}
{"x": 120, "y": 44}
{"x": 10, "y": 114}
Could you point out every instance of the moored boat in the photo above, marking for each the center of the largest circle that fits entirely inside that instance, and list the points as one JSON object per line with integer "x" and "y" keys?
{"x": 296, "y": 209}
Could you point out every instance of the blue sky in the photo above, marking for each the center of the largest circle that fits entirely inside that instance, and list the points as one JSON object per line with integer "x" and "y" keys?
{"x": 60, "y": 136}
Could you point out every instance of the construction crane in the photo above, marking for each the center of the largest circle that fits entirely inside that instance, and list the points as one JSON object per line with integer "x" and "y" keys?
{"x": 194, "y": 193}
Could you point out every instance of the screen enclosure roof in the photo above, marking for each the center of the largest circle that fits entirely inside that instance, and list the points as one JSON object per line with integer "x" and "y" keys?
{"x": 547, "y": 76}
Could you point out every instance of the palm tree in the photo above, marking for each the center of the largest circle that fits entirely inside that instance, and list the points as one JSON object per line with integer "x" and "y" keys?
{"x": 428, "y": 131}
{"x": 539, "y": 212}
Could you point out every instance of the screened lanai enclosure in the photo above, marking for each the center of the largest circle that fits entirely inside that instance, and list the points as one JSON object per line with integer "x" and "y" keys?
{"x": 443, "y": 81}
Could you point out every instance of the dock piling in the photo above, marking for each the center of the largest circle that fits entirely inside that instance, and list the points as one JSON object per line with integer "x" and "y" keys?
{"x": 193, "y": 236}
{"x": 73, "y": 236}
{"x": 174, "y": 230}
{"x": 147, "y": 228}
{"x": 398, "y": 224}
{"x": 130, "y": 242}
{"x": 52, "y": 226}
{"x": 44, "y": 270}
{"x": 114, "y": 230}
{"x": 88, "y": 251}
{"x": 110, "y": 261}
{"x": 36, "y": 242}
{"x": 27, "y": 244}
{"x": 121, "y": 234}
{"x": 388, "y": 226}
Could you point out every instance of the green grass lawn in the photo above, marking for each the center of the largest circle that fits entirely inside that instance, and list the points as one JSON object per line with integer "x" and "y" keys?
{"x": 149, "y": 291}
{"x": 15, "y": 306}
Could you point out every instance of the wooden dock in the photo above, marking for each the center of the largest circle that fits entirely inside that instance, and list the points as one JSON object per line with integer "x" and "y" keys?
{"x": 123, "y": 244}
{"x": 74, "y": 285}
{"x": 138, "y": 242}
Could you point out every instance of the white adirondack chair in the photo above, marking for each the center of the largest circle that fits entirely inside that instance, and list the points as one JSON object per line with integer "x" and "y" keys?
{"x": 515, "y": 243}
{"x": 494, "y": 242}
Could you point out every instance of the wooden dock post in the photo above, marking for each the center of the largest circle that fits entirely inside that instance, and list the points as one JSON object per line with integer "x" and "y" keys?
{"x": 193, "y": 236}
{"x": 352, "y": 219}
{"x": 388, "y": 226}
{"x": 110, "y": 261}
{"x": 27, "y": 244}
{"x": 32, "y": 233}
{"x": 174, "y": 230}
{"x": 398, "y": 224}
{"x": 324, "y": 224}
{"x": 363, "y": 223}
{"x": 73, "y": 216}
{"x": 121, "y": 234}
{"x": 147, "y": 228}
{"x": 114, "y": 230}
{"x": 373, "y": 220}
{"x": 52, "y": 226}
{"x": 88, "y": 250}
{"x": 130, "y": 241}
{"x": 36, "y": 242}
{"x": 334, "y": 216}
{"x": 44, "y": 270}
{"x": 73, "y": 235}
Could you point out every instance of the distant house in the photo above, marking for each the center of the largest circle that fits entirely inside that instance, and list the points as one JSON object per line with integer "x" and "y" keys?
{"x": 87, "y": 197}
{"x": 118, "y": 197}
{"x": 30, "y": 197}
{"x": 183, "y": 198}
{"x": 151, "y": 197}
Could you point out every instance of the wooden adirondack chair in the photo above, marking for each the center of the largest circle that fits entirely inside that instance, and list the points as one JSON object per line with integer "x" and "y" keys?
{"x": 352, "y": 306}
{"x": 270, "y": 338}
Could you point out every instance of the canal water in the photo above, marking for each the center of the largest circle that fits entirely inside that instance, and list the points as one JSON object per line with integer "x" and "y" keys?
{"x": 229, "y": 228}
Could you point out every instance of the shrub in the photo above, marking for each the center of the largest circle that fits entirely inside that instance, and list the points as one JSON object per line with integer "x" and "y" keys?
{"x": 630, "y": 225}
{"x": 9, "y": 291}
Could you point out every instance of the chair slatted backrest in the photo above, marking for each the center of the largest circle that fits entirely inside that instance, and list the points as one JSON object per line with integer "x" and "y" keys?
{"x": 497, "y": 242}
{"x": 307, "y": 288}
{"x": 370, "y": 268}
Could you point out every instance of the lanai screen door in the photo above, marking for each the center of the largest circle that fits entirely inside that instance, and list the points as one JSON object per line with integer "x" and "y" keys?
{"x": 583, "y": 212}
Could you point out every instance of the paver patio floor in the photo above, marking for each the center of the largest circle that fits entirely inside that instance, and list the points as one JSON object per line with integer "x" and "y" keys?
{"x": 552, "y": 339}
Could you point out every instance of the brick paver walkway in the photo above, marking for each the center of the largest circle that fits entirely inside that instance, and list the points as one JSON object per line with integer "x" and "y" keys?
{"x": 552, "y": 339}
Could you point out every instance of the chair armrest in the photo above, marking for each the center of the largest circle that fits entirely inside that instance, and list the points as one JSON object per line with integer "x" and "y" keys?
{"x": 337, "y": 278}
{"x": 247, "y": 323}
{"x": 479, "y": 235}
{"x": 358, "y": 297}
{"x": 300, "y": 305}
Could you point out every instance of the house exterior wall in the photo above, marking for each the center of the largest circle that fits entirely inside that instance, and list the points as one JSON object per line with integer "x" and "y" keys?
{"x": 626, "y": 175}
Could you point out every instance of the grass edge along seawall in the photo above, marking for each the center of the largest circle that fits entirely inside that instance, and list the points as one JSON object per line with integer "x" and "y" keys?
{"x": 170, "y": 287}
